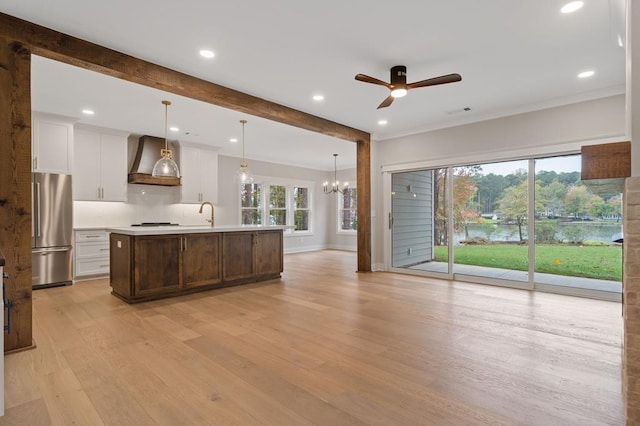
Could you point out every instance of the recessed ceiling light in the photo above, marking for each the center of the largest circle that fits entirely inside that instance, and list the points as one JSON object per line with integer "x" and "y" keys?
{"x": 382, "y": 122}
{"x": 572, "y": 7}
{"x": 174, "y": 129}
{"x": 207, "y": 54}
{"x": 234, "y": 140}
{"x": 586, "y": 74}
{"x": 88, "y": 112}
{"x": 318, "y": 98}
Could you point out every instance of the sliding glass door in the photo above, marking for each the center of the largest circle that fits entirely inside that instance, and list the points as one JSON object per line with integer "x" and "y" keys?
{"x": 490, "y": 212}
{"x": 575, "y": 230}
{"x": 527, "y": 223}
{"x": 419, "y": 220}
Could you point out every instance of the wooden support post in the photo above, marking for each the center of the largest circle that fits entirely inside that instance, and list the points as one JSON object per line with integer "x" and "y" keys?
{"x": 15, "y": 187}
{"x": 364, "y": 205}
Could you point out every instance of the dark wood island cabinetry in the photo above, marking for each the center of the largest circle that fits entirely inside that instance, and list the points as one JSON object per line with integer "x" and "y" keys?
{"x": 151, "y": 264}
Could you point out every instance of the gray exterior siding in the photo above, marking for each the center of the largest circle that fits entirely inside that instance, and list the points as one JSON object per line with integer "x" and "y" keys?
{"x": 412, "y": 211}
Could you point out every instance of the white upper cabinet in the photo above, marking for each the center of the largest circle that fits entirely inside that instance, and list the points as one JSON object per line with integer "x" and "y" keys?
{"x": 100, "y": 165}
{"x": 52, "y": 144}
{"x": 199, "y": 170}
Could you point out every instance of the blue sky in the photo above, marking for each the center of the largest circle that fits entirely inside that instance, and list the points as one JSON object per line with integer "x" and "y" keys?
{"x": 570, "y": 163}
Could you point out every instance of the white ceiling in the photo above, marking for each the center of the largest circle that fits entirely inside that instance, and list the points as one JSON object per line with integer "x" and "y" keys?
{"x": 514, "y": 56}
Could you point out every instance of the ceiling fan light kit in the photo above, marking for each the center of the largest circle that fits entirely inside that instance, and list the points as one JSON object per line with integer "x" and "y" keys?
{"x": 398, "y": 83}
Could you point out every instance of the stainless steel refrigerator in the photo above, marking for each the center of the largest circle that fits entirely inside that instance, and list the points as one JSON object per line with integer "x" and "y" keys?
{"x": 52, "y": 229}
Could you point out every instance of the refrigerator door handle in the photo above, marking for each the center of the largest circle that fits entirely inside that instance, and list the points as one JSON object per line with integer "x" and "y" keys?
{"x": 37, "y": 207}
{"x": 33, "y": 212}
{"x": 50, "y": 250}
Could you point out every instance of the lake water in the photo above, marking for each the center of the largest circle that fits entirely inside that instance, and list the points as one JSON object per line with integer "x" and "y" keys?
{"x": 592, "y": 231}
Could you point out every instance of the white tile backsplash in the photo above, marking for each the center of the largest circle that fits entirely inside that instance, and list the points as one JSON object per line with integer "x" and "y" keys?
{"x": 145, "y": 203}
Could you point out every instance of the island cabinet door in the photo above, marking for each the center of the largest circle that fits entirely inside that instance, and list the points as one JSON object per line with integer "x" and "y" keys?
{"x": 237, "y": 255}
{"x": 201, "y": 261}
{"x": 269, "y": 252}
{"x": 156, "y": 264}
{"x": 120, "y": 260}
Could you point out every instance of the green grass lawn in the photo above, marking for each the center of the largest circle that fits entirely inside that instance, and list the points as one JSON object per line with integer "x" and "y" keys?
{"x": 601, "y": 262}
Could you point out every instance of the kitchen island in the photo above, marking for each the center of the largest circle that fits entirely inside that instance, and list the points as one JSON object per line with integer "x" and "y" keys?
{"x": 149, "y": 263}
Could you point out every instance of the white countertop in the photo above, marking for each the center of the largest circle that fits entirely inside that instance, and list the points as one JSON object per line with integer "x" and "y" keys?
{"x": 189, "y": 229}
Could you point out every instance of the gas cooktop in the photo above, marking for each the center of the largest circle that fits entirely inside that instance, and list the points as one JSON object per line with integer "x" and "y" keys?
{"x": 155, "y": 224}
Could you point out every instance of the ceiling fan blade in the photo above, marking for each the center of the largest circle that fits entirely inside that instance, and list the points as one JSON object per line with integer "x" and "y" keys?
{"x": 372, "y": 80}
{"x": 386, "y": 102}
{"x": 443, "y": 79}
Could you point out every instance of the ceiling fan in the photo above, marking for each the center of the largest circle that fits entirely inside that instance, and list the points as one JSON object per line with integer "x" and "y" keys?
{"x": 399, "y": 86}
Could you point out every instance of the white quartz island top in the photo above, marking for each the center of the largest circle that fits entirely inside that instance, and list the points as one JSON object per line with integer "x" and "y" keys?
{"x": 189, "y": 229}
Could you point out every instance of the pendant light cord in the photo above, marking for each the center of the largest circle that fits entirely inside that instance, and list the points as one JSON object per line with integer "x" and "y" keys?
{"x": 166, "y": 108}
{"x": 243, "y": 123}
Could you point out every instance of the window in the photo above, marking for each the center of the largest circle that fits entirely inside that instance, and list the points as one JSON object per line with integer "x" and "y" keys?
{"x": 277, "y": 205}
{"x": 301, "y": 208}
{"x": 250, "y": 204}
{"x": 284, "y": 203}
{"x": 529, "y": 223}
{"x": 347, "y": 211}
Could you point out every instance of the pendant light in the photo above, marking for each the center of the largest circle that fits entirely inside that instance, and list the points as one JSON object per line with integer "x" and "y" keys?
{"x": 243, "y": 174}
{"x": 335, "y": 186}
{"x": 165, "y": 166}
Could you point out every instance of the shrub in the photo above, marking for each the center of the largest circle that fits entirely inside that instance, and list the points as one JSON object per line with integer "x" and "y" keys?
{"x": 489, "y": 229}
{"x": 575, "y": 234}
{"x": 546, "y": 231}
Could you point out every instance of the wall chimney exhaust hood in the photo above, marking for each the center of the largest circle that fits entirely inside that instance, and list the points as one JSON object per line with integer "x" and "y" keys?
{"x": 146, "y": 156}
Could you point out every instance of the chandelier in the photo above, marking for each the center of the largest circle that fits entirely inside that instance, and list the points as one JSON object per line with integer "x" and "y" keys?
{"x": 335, "y": 185}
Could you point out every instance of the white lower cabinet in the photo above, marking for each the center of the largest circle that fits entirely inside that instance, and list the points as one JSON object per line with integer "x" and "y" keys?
{"x": 91, "y": 252}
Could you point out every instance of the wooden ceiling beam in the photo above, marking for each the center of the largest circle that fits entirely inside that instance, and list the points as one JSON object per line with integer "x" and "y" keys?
{"x": 52, "y": 44}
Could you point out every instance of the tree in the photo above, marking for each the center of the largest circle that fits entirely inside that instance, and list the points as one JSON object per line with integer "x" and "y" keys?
{"x": 615, "y": 206}
{"x": 441, "y": 232}
{"x": 515, "y": 202}
{"x": 551, "y": 196}
{"x": 569, "y": 178}
{"x": 575, "y": 200}
{"x": 596, "y": 206}
{"x": 490, "y": 190}
{"x": 464, "y": 191}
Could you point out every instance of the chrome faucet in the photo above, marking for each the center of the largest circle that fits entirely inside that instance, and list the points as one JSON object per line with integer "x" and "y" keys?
{"x": 205, "y": 204}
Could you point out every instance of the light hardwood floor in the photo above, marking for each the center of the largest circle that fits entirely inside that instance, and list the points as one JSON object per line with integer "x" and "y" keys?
{"x": 323, "y": 345}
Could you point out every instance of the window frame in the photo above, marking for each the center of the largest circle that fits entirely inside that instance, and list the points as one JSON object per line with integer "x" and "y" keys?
{"x": 265, "y": 183}
{"x": 307, "y": 209}
{"x": 339, "y": 210}
{"x": 259, "y": 208}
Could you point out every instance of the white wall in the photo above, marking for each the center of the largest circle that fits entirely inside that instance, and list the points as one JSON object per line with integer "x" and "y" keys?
{"x": 552, "y": 131}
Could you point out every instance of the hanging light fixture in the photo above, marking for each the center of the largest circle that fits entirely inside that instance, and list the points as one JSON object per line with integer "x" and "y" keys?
{"x": 243, "y": 174}
{"x": 165, "y": 166}
{"x": 335, "y": 186}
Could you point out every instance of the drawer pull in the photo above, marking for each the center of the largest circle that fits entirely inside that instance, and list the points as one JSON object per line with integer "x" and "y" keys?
{"x": 92, "y": 236}
{"x": 104, "y": 266}
{"x": 104, "y": 249}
